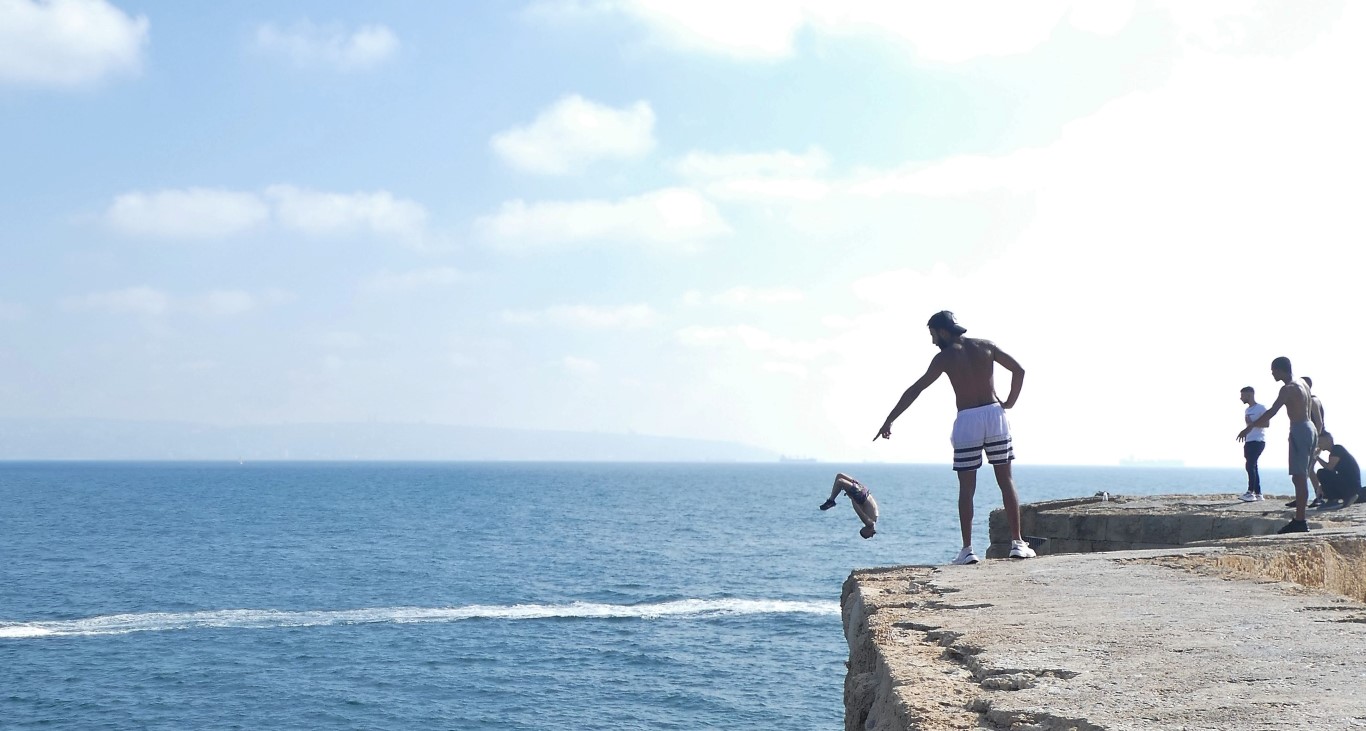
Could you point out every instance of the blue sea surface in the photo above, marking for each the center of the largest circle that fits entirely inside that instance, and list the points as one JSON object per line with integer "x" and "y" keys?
{"x": 459, "y": 596}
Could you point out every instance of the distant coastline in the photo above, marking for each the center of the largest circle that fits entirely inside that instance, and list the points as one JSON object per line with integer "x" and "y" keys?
{"x": 1133, "y": 462}
{"x": 112, "y": 439}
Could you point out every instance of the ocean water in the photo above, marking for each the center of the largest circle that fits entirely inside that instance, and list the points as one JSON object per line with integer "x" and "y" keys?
{"x": 459, "y": 596}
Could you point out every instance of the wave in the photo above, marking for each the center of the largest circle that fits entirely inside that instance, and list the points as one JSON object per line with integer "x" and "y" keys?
{"x": 117, "y": 624}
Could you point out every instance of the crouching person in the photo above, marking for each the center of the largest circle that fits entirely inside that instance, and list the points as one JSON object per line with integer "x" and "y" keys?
{"x": 1340, "y": 475}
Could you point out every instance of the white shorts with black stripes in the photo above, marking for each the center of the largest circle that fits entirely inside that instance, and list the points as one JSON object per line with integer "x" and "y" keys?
{"x": 978, "y": 429}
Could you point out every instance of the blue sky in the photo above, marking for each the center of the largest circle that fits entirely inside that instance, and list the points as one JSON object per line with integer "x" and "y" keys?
{"x": 701, "y": 219}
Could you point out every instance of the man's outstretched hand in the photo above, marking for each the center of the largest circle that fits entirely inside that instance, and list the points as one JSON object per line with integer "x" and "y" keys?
{"x": 884, "y": 433}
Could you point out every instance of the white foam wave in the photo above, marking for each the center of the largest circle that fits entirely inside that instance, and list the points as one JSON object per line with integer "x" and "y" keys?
{"x": 115, "y": 624}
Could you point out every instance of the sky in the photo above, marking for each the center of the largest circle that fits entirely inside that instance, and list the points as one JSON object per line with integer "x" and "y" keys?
{"x": 699, "y": 219}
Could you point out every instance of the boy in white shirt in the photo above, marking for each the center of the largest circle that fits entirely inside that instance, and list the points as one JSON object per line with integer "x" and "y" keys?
{"x": 1253, "y": 446}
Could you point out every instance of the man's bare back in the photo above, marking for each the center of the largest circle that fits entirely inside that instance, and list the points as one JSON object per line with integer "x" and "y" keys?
{"x": 971, "y": 365}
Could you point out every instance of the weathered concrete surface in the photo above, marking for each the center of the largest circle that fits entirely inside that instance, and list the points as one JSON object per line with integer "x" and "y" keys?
{"x": 1124, "y": 523}
{"x": 1254, "y": 633}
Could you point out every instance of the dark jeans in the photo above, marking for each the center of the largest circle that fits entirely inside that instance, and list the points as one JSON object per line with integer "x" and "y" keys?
{"x": 1251, "y": 452}
{"x": 1335, "y": 486}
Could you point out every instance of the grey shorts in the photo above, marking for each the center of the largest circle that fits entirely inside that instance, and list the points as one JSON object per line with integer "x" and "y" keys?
{"x": 1303, "y": 439}
{"x": 863, "y": 502}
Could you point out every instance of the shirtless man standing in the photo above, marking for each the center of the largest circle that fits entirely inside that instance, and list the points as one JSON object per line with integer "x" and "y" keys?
{"x": 981, "y": 421}
{"x": 1294, "y": 396}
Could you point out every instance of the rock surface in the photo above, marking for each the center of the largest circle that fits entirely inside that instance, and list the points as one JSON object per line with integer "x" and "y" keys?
{"x": 1255, "y": 633}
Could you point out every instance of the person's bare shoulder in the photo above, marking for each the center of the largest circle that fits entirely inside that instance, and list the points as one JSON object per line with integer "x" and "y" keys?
{"x": 981, "y": 346}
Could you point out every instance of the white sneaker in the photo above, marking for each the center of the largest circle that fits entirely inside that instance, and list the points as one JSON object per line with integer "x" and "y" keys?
{"x": 1259, "y": 496}
{"x": 1248, "y": 497}
{"x": 1020, "y": 549}
{"x": 965, "y": 557}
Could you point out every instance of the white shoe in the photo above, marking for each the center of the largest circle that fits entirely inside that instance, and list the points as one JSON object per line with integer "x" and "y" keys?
{"x": 1248, "y": 497}
{"x": 965, "y": 557}
{"x": 1259, "y": 496}
{"x": 1020, "y": 549}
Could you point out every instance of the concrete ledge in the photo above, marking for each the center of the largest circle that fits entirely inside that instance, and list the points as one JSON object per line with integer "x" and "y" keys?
{"x": 1259, "y": 632}
{"x": 1123, "y": 523}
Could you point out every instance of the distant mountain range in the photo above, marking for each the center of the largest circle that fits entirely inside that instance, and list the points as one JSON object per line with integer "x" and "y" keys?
{"x": 94, "y": 439}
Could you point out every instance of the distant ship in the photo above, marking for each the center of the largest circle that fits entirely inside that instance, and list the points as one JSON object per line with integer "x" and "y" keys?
{"x": 785, "y": 458}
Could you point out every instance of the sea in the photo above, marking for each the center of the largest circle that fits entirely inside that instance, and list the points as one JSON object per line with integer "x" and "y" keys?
{"x": 501, "y": 596}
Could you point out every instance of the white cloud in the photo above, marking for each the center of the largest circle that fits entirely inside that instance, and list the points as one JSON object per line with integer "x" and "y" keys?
{"x": 768, "y": 30}
{"x": 754, "y": 339}
{"x": 154, "y": 302}
{"x": 758, "y": 176}
{"x": 573, "y": 133}
{"x": 775, "y": 164}
{"x": 943, "y": 32}
{"x": 333, "y": 47}
{"x": 12, "y": 312}
{"x": 68, "y": 42}
{"x": 130, "y": 301}
{"x": 1182, "y": 222}
{"x": 796, "y": 370}
{"x": 624, "y": 317}
{"x": 331, "y": 214}
{"x": 837, "y": 322}
{"x": 580, "y": 366}
{"x": 1251, "y": 26}
{"x": 192, "y": 213}
{"x": 677, "y": 218}
{"x": 955, "y": 176}
{"x": 228, "y": 302}
{"x": 743, "y": 296}
{"x": 798, "y": 180}
{"x": 387, "y": 282}
{"x": 225, "y": 302}
{"x": 341, "y": 339}
{"x": 206, "y": 213}
{"x": 961, "y": 31}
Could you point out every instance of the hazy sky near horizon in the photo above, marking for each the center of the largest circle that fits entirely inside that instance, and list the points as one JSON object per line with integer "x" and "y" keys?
{"x": 697, "y": 219}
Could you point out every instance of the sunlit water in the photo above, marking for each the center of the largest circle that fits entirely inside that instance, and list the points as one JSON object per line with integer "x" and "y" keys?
{"x": 458, "y": 596}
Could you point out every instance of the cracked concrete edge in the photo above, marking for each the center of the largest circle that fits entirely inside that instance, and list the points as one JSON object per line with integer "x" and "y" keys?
{"x": 905, "y": 674}
{"x": 937, "y": 679}
{"x": 908, "y": 674}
